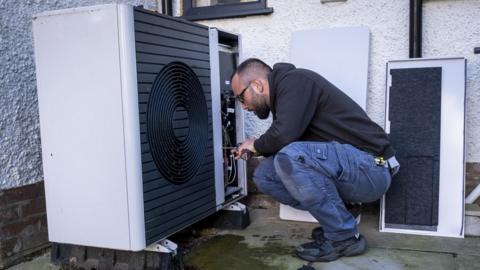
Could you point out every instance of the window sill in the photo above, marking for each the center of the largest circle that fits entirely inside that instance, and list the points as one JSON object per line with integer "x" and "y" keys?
{"x": 194, "y": 15}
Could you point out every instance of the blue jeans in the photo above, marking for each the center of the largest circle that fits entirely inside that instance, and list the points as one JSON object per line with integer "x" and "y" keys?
{"x": 319, "y": 177}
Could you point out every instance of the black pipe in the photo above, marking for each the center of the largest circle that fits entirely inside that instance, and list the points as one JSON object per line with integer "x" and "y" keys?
{"x": 167, "y": 7}
{"x": 415, "y": 42}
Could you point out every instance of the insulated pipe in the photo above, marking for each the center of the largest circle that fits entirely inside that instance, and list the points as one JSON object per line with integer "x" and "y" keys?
{"x": 473, "y": 196}
{"x": 415, "y": 41}
{"x": 167, "y": 7}
{"x": 164, "y": 7}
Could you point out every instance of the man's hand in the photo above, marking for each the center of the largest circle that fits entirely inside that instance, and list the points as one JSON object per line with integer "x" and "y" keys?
{"x": 245, "y": 150}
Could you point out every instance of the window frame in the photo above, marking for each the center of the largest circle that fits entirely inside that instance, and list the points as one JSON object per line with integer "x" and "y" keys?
{"x": 224, "y": 11}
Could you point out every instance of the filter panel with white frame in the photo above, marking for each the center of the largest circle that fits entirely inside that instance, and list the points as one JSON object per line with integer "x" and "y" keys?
{"x": 425, "y": 116}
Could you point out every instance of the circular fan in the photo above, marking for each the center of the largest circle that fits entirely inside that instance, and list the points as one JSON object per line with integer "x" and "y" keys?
{"x": 177, "y": 122}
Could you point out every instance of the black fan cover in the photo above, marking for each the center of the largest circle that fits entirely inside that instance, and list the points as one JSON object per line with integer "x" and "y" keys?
{"x": 177, "y": 122}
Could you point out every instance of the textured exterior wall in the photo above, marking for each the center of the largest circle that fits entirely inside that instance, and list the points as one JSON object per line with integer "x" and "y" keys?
{"x": 451, "y": 28}
{"x": 20, "y": 150}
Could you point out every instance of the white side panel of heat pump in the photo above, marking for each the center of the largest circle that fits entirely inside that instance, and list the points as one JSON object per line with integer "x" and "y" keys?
{"x": 290, "y": 213}
{"x": 341, "y": 55}
{"x": 81, "y": 122}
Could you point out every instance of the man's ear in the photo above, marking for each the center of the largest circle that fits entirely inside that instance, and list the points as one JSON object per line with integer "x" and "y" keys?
{"x": 259, "y": 87}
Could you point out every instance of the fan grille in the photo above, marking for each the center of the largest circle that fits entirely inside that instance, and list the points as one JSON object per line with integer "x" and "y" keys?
{"x": 177, "y": 122}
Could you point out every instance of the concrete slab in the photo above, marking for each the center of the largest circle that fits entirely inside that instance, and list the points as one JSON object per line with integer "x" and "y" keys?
{"x": 235, "y": 253}
{"x": 464, "y": 262}
{"x": 268, "y": 243}
{"x": 376, "y": 258}
{"x": 369, "y": 227}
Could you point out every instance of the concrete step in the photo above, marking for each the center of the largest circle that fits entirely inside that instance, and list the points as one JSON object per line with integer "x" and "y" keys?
{"x": 472, "y": 209}
{"x": 472, "y": 220}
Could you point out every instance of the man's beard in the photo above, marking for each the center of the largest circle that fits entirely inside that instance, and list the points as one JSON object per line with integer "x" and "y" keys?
{"x": 260, "y": 107}
{"x": 262, "y": 111}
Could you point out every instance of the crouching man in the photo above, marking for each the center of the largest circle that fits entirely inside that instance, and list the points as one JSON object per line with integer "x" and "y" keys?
{"x": 321, "y": 150}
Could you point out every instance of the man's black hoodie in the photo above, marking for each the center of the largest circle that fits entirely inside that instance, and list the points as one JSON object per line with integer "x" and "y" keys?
{"x": 307, "y": 107}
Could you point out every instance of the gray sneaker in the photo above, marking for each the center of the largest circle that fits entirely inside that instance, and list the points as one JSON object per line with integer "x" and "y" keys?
{"x": 327, "y": 250}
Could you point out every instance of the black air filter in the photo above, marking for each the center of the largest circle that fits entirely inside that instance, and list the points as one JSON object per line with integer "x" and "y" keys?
{"x": 177, "y": 122}
{"x": 415, "y": 115}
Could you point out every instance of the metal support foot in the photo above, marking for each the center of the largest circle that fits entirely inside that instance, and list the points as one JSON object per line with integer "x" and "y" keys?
{"x": 163, "y": 246}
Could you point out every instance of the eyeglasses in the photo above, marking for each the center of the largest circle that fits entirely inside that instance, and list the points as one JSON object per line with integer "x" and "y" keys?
{"x": 240, "y": 97}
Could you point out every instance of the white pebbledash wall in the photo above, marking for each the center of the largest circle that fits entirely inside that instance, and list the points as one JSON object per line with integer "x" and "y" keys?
{"x": 450, "y": 28}
{"x": 20, "y": 150}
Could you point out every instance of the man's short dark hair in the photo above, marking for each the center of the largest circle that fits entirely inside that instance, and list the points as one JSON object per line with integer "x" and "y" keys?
{"x": 251, "y": 69}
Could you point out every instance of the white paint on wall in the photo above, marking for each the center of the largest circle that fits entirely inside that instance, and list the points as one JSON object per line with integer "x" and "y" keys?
{"x": 450, "y": 28}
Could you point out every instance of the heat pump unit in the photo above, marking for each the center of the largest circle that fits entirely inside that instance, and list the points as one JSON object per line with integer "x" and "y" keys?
{"x": 132, "y": 107}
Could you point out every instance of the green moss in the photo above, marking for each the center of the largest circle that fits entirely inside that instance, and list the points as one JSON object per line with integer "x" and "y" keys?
{"x": 229, "y": 252}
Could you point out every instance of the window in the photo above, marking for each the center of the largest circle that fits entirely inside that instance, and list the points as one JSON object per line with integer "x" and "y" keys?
{"x": 216, "y": 9}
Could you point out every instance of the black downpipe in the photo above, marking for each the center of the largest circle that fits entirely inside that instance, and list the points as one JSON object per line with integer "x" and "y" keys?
{"x": 415, "y": 42}
{"x": 167, "y": 7}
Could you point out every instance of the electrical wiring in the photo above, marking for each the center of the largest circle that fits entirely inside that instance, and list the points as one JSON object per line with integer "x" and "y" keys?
{"x": 234, "y": 169}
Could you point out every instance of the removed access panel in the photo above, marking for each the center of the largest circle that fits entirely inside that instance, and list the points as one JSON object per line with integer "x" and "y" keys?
{"x": 425, "y": 119}
{"x": 340, "y": 55}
